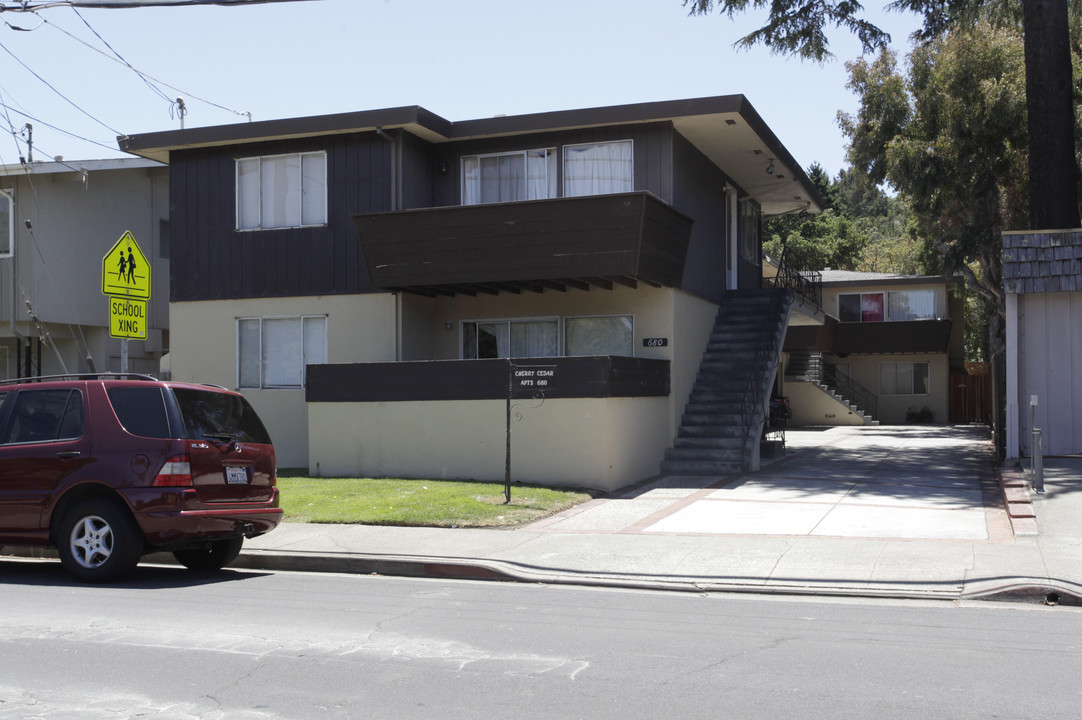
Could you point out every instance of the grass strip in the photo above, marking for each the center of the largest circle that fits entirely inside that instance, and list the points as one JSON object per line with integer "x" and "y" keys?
{"x": 420, "y": 503}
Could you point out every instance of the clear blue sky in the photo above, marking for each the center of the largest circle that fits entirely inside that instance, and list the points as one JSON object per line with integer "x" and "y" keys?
{"x": 461, "y": 60}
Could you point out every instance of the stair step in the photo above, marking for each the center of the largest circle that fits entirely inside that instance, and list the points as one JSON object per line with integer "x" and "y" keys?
{"x": 679, "y": 467}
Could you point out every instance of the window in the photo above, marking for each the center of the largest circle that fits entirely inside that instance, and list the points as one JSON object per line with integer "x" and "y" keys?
{"x": 510, "y": 338}
{"x": 506, "y": 177}
{"x": 141, "y": 410}
{"x": 272, "y": 352}
{"x": 599, "y": 168}
{"x": 903, "y": 378}
{"x": 46, "y": 416}
{"x": 911, "y": 305}
{"x": 599, "y": 336}
{"x": 748, "y": 230}
{"x": 7, "y": 225}
{"x": 280, "y": 191}
{"x": 861, "y": 307}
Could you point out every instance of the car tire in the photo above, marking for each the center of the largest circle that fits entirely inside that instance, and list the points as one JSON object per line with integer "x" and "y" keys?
{"x": 99, "y": 542}
{"x": 214, "y": 555}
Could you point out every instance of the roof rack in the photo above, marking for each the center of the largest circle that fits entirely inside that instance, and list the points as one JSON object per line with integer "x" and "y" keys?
{"x": 79, "y": 376}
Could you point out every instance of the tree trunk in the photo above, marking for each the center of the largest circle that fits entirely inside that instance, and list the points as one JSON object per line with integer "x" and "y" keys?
{"x": 1053, "y": 171}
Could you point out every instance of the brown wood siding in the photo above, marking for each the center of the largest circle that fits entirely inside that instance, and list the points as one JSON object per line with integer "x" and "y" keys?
{"x": 211, "y": 260}
{"x": 576, "y": 377}
{"x": 630, "y": 235}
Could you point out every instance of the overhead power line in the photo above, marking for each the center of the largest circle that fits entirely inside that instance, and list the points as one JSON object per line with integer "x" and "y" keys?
{"x": 29, "y": 6}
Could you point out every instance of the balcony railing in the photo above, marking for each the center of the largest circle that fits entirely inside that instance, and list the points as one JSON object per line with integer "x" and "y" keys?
{"x": 807, "y": 285}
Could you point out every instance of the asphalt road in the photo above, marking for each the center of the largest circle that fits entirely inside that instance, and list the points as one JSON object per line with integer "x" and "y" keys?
{"x": 249, "y": 645}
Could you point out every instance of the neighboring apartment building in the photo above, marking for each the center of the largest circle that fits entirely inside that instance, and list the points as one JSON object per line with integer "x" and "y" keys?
{"x": 884, "y": 355}
{"x": 375, "y": 282}
{"x": 61, "y": 219}
{"x": 1042, "y": 279}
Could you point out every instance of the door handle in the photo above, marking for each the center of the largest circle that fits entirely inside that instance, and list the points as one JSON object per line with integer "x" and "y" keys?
{"x": 68, "y": 454}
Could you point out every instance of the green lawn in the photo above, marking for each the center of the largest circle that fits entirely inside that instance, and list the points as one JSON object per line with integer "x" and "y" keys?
{"x": 432, "y": 503}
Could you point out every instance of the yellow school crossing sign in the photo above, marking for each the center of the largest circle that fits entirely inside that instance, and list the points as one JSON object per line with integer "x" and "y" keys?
{"x": 125, "y": 270}
{"x": 125, "y": 278}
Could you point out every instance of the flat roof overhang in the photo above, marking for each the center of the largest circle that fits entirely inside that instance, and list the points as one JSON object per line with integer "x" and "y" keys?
{"x": 595, "y": 241}
{"x": 726, "y": 129}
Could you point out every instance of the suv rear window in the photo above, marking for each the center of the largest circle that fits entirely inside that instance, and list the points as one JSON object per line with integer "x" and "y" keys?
{"x": 219, "y": 415}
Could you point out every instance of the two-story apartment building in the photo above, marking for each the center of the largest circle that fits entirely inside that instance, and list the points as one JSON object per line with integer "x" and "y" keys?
{"x": 885, "y": 353}
{"x": 57, "y": 222}
{"x": 378, "y": 283}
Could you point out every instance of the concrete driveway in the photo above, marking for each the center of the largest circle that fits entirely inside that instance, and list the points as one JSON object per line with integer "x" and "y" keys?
{"x": 928, "y": 482}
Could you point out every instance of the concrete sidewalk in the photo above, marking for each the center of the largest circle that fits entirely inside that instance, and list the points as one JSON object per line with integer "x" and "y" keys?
{"x": 907, "y": 512}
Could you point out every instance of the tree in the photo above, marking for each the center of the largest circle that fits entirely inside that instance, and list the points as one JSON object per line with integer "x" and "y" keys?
{"x": 951, "y": 137}
{"x": 799, "y": 27}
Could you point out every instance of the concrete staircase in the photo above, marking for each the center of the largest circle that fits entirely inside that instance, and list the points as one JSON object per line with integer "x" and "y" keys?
{"x": 722, "y": 424}
{"x": 806, "y": 367}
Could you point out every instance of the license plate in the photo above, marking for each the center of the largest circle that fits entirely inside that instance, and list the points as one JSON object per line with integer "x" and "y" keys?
{"x": 236, "y": 476}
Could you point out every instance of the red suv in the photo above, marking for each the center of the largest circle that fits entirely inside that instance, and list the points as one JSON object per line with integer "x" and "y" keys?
{"x": 107, "y": 468}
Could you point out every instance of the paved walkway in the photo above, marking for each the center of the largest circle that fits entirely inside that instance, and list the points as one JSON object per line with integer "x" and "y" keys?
{"x": 912, "y": 511}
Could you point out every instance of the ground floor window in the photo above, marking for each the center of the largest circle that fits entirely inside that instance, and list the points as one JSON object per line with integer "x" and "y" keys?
{"x": 610, "y": 335}
{"x": 540, "y": 337}
{"x": 272, "y": 352}
{"x": 510, "y": 338}
{"x": 903, "y": 378}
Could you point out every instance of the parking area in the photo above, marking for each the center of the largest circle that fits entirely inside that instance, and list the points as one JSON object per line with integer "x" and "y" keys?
{"x": 926, "y": 482}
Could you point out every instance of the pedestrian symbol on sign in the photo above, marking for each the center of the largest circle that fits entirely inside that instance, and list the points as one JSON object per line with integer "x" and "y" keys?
{"x": 125, "y": 270}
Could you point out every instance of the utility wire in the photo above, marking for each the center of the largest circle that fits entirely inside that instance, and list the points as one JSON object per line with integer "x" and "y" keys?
{"x": 146, "y": 78}
{"x": 62, "y": 96}
{"x": 127, "y": 64}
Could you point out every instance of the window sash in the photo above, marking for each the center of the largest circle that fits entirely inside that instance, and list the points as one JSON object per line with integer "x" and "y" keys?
{"x": 282, "y": 191}
{"x": 534, "y": 337}
{"x": 599, "y": 168}
{"x": 601, "y": 335}
{"x": 904, "y": 378}
{"x": 861, "y": 307}
{"x": 273, "y": 353}
{"x": 508, "y": 177}
{"x": 905, "y": 305}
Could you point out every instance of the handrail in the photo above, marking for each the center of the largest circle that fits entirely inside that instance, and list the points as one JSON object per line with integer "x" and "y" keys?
{"x": 765, "y": 355}
{"x": 806, "y": 284}
{"x": 850, "y": 389}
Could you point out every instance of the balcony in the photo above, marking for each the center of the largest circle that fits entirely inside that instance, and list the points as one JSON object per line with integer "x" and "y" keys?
{"x": 597, "y": 241}
{"x": 869, "y": 338}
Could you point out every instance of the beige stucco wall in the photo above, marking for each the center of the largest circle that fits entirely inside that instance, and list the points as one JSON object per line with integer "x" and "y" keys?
{"x": 595, "y": 443}
{"x": 811, "y": 406}
{"x": 892, "y": 408}
{"x": 203, "y": 348}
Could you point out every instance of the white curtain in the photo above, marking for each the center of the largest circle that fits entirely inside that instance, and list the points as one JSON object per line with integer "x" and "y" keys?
{"x": 598, "y": 169}
{"x": 250, "y": 353}
{"x": 281, "y": 185}
{"x": 911, "y": 305}
{"x": 534, "y": 339}
{"x": 313, "y": 189}
{"x": 282, "y": 353}
{"x": 248, "y": 212}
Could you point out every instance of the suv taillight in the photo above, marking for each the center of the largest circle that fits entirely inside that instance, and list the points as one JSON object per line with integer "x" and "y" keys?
{"x": 177, "y": 472}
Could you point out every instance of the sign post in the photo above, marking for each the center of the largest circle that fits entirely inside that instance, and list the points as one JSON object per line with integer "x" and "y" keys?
{"x": 125, "y": 280}
{"x": 523, "y": 381}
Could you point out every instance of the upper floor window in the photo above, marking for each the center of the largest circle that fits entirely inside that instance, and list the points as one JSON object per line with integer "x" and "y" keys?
{"x": 281, "y": 191}
{"x": 599, "y": 168}
{"x": 7, "y": 225}
{"x": 911, "y": 305}
{"x": 506, "y": 177}
{"x": 748, "y": 231}
{"x": 899, "y": 306}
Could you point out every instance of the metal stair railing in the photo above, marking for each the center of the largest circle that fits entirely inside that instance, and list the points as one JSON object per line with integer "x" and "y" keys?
{"x": 805, "y": 284}
{"x": 850, "y": 389}
{"x": 766, "y": 359}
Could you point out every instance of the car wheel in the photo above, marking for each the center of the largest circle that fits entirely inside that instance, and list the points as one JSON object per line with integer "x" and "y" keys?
{"x": 214, "y": 555}
{"x": 99, "y": 541}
